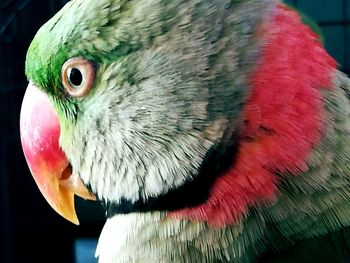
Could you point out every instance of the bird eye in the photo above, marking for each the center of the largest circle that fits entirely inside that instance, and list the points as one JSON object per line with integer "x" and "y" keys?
{"x": 78, "y": 76}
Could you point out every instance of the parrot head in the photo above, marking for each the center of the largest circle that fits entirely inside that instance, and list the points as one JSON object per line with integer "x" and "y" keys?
{"x": 129, "y": 100}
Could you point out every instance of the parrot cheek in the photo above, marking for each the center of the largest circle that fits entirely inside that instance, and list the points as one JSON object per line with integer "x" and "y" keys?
{"x": 40, "y": 132}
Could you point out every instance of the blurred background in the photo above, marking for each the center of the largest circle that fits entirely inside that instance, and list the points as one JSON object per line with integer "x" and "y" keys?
{"x": 30, "y": 231}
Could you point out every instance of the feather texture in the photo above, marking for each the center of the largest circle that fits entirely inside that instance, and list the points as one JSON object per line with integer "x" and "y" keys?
{"x": 283, "y": 119}
{"x": 178, "y": 82}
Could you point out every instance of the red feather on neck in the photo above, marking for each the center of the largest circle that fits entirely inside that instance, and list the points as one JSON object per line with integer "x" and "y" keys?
{"x": 283, "y": 120}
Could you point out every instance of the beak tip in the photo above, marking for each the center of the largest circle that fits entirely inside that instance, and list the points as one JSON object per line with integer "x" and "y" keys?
{"x": 76, "y": 222}
{"x": 71, "y": 216}
{"x": 62, "y": 201}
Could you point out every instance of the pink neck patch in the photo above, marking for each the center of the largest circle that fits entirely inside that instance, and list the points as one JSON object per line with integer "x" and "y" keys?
{"x": 283, "y": 120}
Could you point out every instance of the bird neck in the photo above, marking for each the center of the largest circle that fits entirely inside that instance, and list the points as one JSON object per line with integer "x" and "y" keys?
{"x": 283, "y": 120}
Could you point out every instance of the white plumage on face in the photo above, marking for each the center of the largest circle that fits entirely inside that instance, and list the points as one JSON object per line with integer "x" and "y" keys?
{"x": 157, "y": 111}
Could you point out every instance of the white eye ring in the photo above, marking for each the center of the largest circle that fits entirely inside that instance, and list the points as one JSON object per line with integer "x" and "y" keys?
{"x": 78, "y": 76}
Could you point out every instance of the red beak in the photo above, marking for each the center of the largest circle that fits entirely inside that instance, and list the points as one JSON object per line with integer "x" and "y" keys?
{"x": 40, "y": 133}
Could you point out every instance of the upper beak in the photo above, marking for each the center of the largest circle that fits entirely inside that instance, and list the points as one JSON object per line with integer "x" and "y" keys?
{"x": 40, "y": 132}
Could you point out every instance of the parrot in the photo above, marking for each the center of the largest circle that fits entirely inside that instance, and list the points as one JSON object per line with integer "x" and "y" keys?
{"x": 210, "y": 131}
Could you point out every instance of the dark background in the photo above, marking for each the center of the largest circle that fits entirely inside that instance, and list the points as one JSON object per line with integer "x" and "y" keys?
{"x": 30, "y": 231}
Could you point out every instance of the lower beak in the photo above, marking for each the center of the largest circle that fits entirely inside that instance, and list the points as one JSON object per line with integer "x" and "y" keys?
{"x": 40, "y": 132}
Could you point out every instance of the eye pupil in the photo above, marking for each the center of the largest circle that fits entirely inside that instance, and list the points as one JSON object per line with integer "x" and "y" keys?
{"x": 75, "y": 77}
